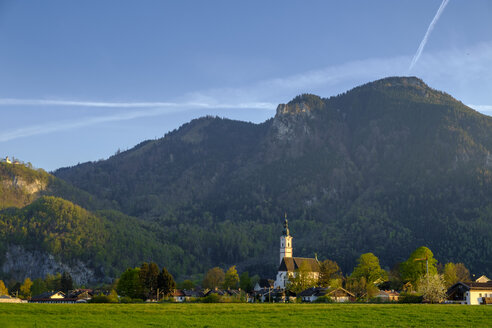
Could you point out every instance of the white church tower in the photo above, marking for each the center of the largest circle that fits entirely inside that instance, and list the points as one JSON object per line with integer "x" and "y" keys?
{"x": 285, "y": 241}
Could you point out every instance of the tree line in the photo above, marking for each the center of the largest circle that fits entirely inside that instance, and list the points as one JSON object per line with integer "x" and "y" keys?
{"x": 420, "y": 277}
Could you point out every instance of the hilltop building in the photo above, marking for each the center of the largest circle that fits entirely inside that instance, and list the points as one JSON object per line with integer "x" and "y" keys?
{"x": 289, "y": 264}
{"x": 7, "y": 160}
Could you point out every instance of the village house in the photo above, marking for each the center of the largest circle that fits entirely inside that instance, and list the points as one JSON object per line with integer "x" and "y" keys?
{"x": 289, "y": 264}
{"x": 178, "y": 295}
{"x": 482, "y": 278}
{"x": 263, "y": 284}
{"x": 52, "y": 297}
{"x": 261, "y": 295}
{"x": 191, "y": 294}
{"x": 312, "y": 294}
{"x": 338, "y": 295}
{"x": 81, "y": 295}
{"x": 471, "y": 293}
{"x": 10, "y": 299}
{"x": 388, "y": 296}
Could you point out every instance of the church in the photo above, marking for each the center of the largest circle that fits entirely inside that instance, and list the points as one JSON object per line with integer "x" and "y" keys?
{"x": 288, "y": 263}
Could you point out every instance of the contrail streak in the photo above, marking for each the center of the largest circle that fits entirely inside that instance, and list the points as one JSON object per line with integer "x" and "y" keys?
{"x": 102, "y": 104}
{"x": 426, "y": 36}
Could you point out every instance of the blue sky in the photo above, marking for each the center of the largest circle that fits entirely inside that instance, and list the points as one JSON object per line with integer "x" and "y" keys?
{"x": 81, "y": 79}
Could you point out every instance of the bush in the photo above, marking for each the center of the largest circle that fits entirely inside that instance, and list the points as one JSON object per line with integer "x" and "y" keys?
{"x": 212, "y": 298}
{"x": 410, "y": 298}
{"x": 101, "y": 298}
{"x": 324, "y": 299}
{"x": 127, "y": 299}
{"x": 231, "y": 299}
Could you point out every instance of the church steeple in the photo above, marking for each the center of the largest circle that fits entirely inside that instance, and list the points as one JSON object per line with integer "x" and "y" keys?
{"x": 286, "y": 226}
{"x": 285, "y": 241}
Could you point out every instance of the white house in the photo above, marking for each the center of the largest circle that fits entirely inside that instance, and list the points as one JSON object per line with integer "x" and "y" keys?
{"x": 338, "y": 295}
{"x": 289, "y": 264}
{"x": 471, "y": 292}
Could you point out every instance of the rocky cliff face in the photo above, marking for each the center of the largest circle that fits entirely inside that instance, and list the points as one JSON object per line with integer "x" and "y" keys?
{"x": 22, "y": 263}
{"x": 27, "y": 187}
{"x": 20, "y": 184}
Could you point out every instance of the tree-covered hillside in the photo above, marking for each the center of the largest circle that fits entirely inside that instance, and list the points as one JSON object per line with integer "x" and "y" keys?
{"x": 385, "y": 167}
{"x": 106, "y": 241}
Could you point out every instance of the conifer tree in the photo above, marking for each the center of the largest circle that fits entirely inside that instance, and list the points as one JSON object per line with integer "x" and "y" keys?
{"x": 166, "y": 283}
{"x": 66, "y": 282}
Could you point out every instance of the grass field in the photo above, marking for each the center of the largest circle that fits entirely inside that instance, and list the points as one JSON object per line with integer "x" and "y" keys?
{"x": 244, "y": 315}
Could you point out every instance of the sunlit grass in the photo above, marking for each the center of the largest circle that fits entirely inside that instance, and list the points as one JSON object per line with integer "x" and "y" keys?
{"x": 243, "y": 315}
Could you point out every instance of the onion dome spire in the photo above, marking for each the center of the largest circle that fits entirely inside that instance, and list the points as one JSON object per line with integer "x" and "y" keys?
{"x": 285, "y": 232}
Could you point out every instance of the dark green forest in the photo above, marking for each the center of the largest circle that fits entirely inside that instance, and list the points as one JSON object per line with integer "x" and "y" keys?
{"x": 384, "y": 168}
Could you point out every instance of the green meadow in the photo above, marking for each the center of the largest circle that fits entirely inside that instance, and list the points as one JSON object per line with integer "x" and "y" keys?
{"x": 243, "y": 315}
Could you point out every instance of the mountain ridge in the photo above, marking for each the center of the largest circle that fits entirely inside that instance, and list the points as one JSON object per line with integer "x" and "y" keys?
{"x": 337, "y": 157}
{"x": 385, "y": 167}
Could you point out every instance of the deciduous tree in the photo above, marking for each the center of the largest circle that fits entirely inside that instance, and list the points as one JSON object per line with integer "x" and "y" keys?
{"x": 449, "y": 274}
{"x": 369, "y": 268}
{"x": 187, "y": 284}
{"x": 245, "y": 282}
{"x": 462, "y": 273}
{"x": 302, "y": 279}
{"x": 361, "y": 288}
{"x": 130, "y": 284}
{"x": 231, "y": 278}
{"x": 25, "y": 288}
{"x": 3, "y": 289}
{"x": 213, "y": 278}
{"x": 432, "y": 287}
{"x": 329, "y": 271}
{"x": 416, "y": 266}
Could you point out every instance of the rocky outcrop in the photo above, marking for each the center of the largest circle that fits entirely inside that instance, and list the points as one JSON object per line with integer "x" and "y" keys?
{"x": 291, "y": 121}
{"x": 26, "y": 186}
{"x": 22, "y": 263}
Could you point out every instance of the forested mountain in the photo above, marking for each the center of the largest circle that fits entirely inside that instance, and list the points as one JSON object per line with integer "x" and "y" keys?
{"x": 385, "y": 167}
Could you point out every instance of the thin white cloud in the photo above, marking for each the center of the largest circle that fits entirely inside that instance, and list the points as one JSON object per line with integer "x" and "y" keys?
{"x": 123, "y": 116}
{"x": 427, "y": 33}
{"x": 101, "y": 104}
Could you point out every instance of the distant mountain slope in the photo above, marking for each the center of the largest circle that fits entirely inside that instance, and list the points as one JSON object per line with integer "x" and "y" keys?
{"x": 385, "y": 167}
{"x": 42, "y": 234}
